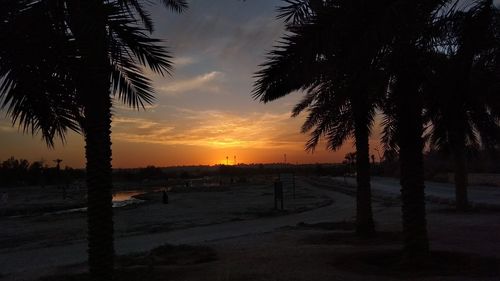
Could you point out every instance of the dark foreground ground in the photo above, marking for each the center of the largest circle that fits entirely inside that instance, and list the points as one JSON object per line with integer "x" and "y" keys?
{"x": 313, "y": 244}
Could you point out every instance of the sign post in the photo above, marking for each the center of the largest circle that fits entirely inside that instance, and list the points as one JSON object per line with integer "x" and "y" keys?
{"x": 278, "y": 194}
{"x": 288, "y": 180}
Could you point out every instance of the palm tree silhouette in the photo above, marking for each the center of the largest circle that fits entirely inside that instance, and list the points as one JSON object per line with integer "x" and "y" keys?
{"x": 458, "y": 97}
{"x": 105, "y": 47}
{"x": 411, "y": 26}
{"x": 332, "y": 55}
{"x": 36, "y": 61}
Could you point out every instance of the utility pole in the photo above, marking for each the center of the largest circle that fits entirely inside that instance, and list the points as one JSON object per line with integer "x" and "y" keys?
{"x": 227, "y": 160}
{"x": 379, "y": 158}
{"x": 58, "y": 166}
{"x": 58, "y": 173}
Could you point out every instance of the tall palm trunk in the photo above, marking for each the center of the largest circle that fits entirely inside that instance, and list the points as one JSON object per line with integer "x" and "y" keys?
{"x": 89, "y": 25}
{"x": 364, "y": 215}
{"x": 461, "y": 175}
{"x": 99, "y": 184}
{"x": 458, "y": 146}
{"x": 409, "y": 115}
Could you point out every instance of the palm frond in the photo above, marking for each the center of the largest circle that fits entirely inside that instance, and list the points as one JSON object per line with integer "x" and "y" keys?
{"x": 134, "y": 7}
{"x": 296, "y": 64}
{"x": 389, "y": 131}
{"x": 295, "y": 12}
{"x": 131, "y": 85}
{"x": 127, "y": 35}
{"x": 177, "y": 6}
{"x": 306, "y": 102}
{"x": 37, "y": 59}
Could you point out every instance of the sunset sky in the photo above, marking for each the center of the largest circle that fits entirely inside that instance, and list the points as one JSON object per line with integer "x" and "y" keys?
{"x": 205, "y": 111}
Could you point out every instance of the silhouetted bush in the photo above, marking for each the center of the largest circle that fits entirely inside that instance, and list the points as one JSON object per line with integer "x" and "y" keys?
{"x": 20, "y": 172}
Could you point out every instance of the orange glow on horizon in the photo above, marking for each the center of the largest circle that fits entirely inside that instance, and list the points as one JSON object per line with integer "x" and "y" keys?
{"x": 199, "y": 141}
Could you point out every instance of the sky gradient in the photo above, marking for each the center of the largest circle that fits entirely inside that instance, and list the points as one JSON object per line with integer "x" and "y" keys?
{"x": 205, "y": 111}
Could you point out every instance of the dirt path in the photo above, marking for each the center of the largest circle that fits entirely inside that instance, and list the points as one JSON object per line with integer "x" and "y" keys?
{"x": 269, "y": 249}
{"x": 25, "y": 262}
{"x": 479, "y": 196}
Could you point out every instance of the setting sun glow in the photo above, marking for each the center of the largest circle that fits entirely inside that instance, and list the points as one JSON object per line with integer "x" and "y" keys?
{"x": 204, "y": 112}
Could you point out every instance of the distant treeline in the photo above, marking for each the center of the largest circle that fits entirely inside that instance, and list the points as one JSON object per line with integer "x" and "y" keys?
{"x": 238, "y": 172}
{"x": 21, "y": 172}
{"x": 438, "y": 164}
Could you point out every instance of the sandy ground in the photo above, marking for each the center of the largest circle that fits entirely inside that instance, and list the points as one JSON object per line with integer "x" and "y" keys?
{"x": 185, "y": 210}
{"x": 257, "y": 247}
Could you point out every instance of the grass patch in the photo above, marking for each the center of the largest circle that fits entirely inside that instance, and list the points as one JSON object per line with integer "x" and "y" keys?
{"x": 470, "y": 211}
{"x": 350, "y": 238}
{"x": 166, "y": 260}
{"x": 392, "y": 263}
{"x": 170, "y": 255}
{"x": 262, "y": 213}
{"x": 128, "y": 274}
{"x": 38, "y": 209}
{"x": 340, "y": 225}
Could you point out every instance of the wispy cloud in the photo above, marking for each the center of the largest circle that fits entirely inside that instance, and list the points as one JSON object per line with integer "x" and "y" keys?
{"x": 207, "y": 82}
{"x": 260, "y": 31}
{"x": 180, "y": 62}
{"x": 8, "y": 128}
{"x": 214, "y": 129}
{"x": 147, "y": 107}
{"x": 134, "y": 122}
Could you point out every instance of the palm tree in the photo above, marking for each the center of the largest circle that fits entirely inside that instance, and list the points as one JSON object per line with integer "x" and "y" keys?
{"x": 330, "y": 55}
{"x": 412, "y": 26}
{"x": 414, "y": 31}
{"x": 457, "y": 97}
{"x": 107, "y": 47}
{"x": 36, "y": 87}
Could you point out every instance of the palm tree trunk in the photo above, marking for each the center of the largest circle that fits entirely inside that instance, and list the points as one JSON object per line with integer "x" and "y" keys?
{"x": 461, "y": 177}
{"x": 410, "y": 128}
{"x": 88, "y": 22}
{"x": 458, "y": 135}
{"x": 99, "y": 185}
{"x": 412, "y": 183}
{"x": 364, "y": 216}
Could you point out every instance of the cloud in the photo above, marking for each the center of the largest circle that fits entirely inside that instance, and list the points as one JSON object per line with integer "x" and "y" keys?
{"x": 180, "y": 62}
{"x": 214, "y": 129}
{"x": 8, "y": 128}
{"x": 260, "y": 31}
{"x": 134, "y": 122}
{"x": 147, "y": 107}
{"x": 207, "y": 82}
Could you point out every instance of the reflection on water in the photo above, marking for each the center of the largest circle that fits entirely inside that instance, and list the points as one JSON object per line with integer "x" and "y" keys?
{"x": 125, "y": 195}
{"x": 120, "y": 199}
{"x": 124, "y": 198}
